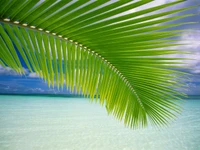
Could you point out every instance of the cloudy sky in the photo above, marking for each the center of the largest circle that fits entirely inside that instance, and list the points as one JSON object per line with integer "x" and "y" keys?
{"x": 11, "y": 82}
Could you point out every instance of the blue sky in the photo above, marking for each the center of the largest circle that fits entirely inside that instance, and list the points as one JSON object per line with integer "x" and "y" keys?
{"x": 11, "y": 82}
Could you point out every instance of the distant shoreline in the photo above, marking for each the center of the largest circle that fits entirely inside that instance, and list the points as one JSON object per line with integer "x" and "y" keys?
{"x": 46, "y": 95}
{"x": 192, "y": 97}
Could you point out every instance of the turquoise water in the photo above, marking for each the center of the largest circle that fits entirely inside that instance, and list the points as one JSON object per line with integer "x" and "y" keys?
{"x": 52, "y": 123}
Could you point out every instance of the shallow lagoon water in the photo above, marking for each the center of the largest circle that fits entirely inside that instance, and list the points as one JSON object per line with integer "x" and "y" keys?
{"x": 53, "y": 123}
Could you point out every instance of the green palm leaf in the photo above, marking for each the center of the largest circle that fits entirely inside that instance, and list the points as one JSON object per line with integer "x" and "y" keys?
{"x": 90, "y": 47}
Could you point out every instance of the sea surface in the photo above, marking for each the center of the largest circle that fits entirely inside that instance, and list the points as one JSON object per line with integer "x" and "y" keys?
{"x": 53, "y": 123}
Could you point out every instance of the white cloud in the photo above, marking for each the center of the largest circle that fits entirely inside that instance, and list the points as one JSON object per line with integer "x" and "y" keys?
{"x": 33, "y": 75}
{"x": 194, "y": 89}
{"x": 197, "y": 69}
{"x": 155, "y": 3}
{"x": 8, "y": 71}
{"x": 37, "y": 90}
{"x": 41, "y": 90}
{"x": 11, "y": 72}
{"x": 150, "y": 5}
{"x": 191, "y": 39}
{"x": 142, "y": 7}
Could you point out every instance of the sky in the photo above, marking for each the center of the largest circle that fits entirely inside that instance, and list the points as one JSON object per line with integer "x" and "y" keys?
{"x": 30, "y": 83}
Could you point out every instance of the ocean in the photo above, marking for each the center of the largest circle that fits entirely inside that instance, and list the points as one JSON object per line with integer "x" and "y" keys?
{"x": 60, "y": 123}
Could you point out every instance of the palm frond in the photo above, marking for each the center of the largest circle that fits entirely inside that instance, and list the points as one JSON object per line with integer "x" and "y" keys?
{"x": 95, "y": 48}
